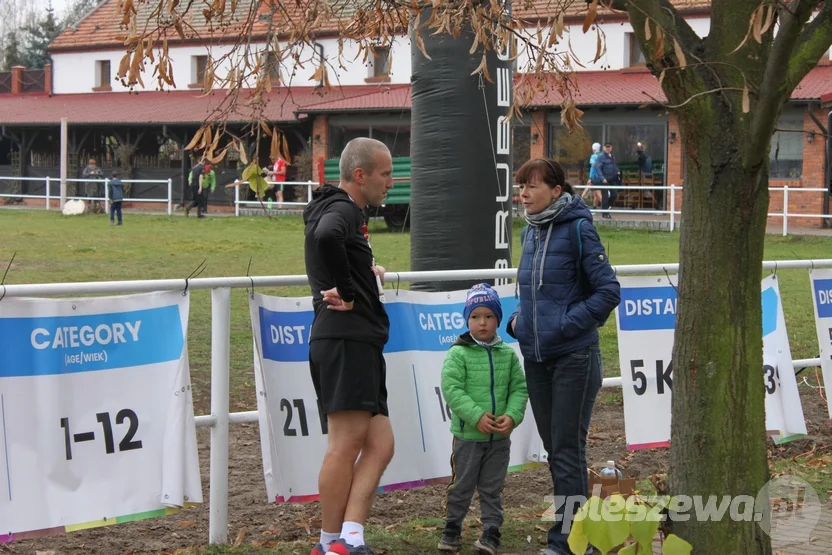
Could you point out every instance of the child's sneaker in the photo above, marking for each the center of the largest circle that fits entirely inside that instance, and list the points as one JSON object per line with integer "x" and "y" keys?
{"x": 450, "y": 539}
{"x": 489, "y": 542}
{"x": 318, "y": 550}
{"x": 341, "y": 547}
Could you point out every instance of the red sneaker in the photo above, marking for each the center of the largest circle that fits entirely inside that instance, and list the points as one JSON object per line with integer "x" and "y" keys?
{"x": 318, "y": 550}
{"x": 341, "y": 547}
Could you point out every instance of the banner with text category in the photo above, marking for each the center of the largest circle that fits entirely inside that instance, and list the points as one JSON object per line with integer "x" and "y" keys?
{"x": 822, "y": 299}
{"x": 96, "y": 413}
{"x": 423, "y": 326}
{"x": 646, "y": 321}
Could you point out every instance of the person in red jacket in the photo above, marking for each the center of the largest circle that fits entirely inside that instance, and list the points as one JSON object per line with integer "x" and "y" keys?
{"x": 278, "y": 174}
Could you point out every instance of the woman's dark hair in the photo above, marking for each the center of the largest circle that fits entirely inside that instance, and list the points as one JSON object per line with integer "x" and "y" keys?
{"x": 543, "y": 169}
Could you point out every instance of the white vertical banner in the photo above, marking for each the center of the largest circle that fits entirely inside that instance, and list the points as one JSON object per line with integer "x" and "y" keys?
{"x": 784, "y": 412}
{"x": 822, "y": 300}
{"x": 96, "y": 413}
{"x": 646, "y": 320}
{"x": 423, "y": 326}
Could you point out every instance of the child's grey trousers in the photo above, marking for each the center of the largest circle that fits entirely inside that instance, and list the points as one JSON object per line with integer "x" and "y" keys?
{"x": 477, "y": 466}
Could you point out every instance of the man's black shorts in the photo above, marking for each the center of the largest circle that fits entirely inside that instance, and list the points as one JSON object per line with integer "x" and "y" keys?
{"x": 349, "y": 375}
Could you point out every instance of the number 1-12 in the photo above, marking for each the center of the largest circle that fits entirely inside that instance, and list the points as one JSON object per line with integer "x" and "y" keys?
{"x": 126, "y": 444}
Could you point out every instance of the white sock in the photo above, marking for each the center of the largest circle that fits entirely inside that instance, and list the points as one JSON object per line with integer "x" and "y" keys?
{"x": 328, "y": 538}
{"x": 353, "y": 533}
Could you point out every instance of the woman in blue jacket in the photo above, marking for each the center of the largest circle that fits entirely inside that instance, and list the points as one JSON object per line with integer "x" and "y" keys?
{"x": 567, "y": 291}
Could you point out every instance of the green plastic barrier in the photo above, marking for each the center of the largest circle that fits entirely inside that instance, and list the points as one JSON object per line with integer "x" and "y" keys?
{"x": 399, "y": 194}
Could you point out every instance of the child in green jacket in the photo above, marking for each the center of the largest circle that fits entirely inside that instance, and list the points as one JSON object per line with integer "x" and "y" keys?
{"x": 485, "y": 388}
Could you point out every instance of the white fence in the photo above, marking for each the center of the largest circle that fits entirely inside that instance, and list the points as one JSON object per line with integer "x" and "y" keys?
{"x": 49, "y": 182}
{"x": 670, "y": 202}
{"x": 310, "y": 185}
{"x": 219, "y": 420}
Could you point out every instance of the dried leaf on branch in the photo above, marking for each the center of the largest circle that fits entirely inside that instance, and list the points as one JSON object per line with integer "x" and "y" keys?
{"x": 591, "y": 14}
{"x": 483, "y": 69}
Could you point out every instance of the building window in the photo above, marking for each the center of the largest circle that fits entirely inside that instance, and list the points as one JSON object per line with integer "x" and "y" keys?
{"x": 102, "y": 74}
{"x": 380, "y": 63}
{"x": 522, "y": 144}
{"x": 573, "y": 150}
{"x": 198, "y": 66}
{"x": 786, "y": 154}
{"x": 396, "y": 137}
{"x": 637, "y": 149}
{"x": 273, "y": 68}
{"x": 635, "y": 55}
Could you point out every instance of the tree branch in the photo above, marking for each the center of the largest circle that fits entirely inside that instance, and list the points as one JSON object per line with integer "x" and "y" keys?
{"x": 703, "y": 93}
{"x": 814, "y": 41}
{"x": 772, "y": 89}
{"x": 685, "y": 34}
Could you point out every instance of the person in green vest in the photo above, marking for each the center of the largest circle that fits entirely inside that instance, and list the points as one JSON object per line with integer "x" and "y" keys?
{"x": 203, "y": 181}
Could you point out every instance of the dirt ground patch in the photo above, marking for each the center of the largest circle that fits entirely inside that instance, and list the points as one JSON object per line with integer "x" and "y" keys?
{"x": 259, "y": 521}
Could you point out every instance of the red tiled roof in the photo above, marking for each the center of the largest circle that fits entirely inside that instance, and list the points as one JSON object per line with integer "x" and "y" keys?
{"x": 157, "y": 107}
{"x": 542, "y": 9}
{"x": 102, "y": 26}
{"x": 623, "y": 87}
{"x": 601, "y": 87}
{"x": 393, "y": 97}
{"x": 826, "y": 99}
{"x": 594, "y": 88}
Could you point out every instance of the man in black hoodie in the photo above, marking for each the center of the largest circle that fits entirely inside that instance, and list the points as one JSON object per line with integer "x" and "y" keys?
{"x": 349, "y": 331}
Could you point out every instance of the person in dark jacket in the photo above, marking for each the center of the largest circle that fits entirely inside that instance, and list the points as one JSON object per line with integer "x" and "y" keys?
{"x": 117, "y": 196}
{"x": 349, "y": 331}
{"x": 556, "y": 325}
{"x": 610, "y": 175}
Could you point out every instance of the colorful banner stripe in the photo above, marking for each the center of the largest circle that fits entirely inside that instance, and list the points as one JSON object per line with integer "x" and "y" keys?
{"x": 403, "y": 485}
{"x": 107, "y": 521}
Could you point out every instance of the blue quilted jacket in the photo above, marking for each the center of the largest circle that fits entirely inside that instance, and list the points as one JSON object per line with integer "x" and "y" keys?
{"x": 554, "y": 316}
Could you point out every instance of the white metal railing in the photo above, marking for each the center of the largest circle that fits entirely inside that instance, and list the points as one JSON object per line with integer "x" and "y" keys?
{"x": 310, "y": 185}
{"x": 671, "y": 202}
{"x": 219, "y": 420}
{"x": 48, "y": 197}
{"x": 671, "y": 212}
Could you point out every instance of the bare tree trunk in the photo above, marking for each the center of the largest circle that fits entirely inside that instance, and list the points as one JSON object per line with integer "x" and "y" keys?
{"x": 718, "y": 444}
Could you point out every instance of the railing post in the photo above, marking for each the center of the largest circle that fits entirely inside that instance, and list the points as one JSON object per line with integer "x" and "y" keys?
{"x": 47, "y": 192}
{"x": 237, "y": 200}
{"x": 170, "y": 196}
{"x": 309, "y": 192}
{"x": 106, "y": 196}
{"x": 220, "y": 347}
{"x": 785, "y": 210}
{"x": 672, "y": 208}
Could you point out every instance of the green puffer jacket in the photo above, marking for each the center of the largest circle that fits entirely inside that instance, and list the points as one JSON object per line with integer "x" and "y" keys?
{"x": 476, "y": 380}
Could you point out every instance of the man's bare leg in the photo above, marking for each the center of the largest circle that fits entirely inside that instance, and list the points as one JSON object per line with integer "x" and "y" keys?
{"x": 347, "y": 434}
{"x": 376, "y": 454}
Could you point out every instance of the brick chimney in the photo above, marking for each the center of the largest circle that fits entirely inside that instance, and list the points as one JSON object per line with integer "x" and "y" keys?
{"x": 17, "y": 79}
{"x": 47, "y": 79}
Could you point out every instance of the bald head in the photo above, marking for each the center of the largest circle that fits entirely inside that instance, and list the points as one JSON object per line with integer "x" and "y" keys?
{"x": 360, "y": 153}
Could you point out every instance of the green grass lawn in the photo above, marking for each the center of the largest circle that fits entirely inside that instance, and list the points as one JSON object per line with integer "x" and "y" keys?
{"x": 54, "y": 248}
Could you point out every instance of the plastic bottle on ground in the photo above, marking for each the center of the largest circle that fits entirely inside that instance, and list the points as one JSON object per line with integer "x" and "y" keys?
{"x": 610, "y": 471}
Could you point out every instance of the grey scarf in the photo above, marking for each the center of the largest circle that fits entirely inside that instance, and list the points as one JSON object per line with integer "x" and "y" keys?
{"x": 540, "y": 219}
{"x": 553, "y": 211}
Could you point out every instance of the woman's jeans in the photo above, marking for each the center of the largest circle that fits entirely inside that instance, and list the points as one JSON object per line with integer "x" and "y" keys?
{"x": 562, "y": 394}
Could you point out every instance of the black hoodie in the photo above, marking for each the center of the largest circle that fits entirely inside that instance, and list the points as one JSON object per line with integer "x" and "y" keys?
{"x": 338, "y": 255}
